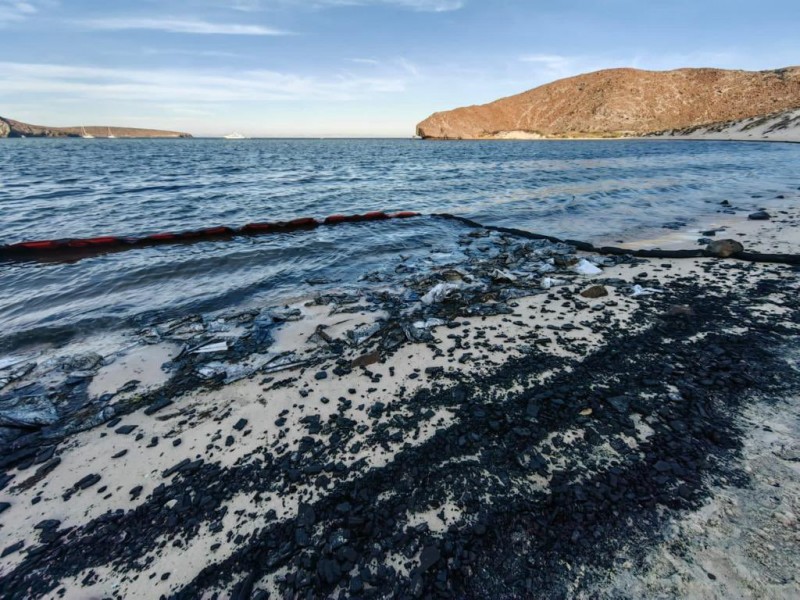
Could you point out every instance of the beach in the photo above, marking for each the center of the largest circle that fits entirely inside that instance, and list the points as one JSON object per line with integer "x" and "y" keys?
{"x": 530, "y": 422}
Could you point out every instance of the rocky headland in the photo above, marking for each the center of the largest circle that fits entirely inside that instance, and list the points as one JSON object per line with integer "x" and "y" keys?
{"x": 17, "y": 129}
{"x": 618, "y": 103}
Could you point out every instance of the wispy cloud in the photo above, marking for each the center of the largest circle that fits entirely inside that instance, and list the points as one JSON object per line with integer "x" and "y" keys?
{"x": 16, "y": 10}
{"x": 147, "y": 51}
{"x": 416, "y": 5}
{"x": 193, "y": 87}
{"x": 365, "y": 61}
{"x": 179, "y": 26}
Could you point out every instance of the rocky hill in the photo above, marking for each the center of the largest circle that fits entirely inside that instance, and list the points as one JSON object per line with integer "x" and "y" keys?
{"x": 622, "y": 102}
{"x": 11, "y": 128}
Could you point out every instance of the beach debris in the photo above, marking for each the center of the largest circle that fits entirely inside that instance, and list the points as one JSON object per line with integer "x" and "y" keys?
{"x": 359, "y": 335}
{"x": 501, "y": 276}
{"x": 416, "y": 334}
{"x": 759, "y": 215}
{"x": 440, "y": 293}
{"x": 283, "y": 362}
{"x": 596, "y": 291}
{"x": 638, "y": 290}
{"x": 212, "y": 348}
{"x": 584, "y": 267}
{"x": 724, "y": 248}
{"x": 286, "y": 314}
{"x": 10, "y": 361}
{"x": 429, "y": 323}
{"x": 27, "y": 411}
{"x": 565, "y": 261}
{"x": 546, "y": 267}
{"x": 89, "y": 361}
{"x": 550, "y": 282}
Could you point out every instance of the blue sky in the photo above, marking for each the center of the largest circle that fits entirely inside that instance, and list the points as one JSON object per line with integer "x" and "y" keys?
{"x": 348, "y": 67}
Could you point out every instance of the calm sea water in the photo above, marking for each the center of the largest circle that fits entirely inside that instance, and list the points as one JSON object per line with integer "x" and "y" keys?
{"x": 79, "y": 188}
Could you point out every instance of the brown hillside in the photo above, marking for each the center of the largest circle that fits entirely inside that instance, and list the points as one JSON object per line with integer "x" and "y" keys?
{"x": 618, "y": 102}
{"x": 11, "y": 128}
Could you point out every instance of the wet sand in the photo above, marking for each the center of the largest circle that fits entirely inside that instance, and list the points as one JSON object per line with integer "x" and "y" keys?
{"x": 513, "y": 439}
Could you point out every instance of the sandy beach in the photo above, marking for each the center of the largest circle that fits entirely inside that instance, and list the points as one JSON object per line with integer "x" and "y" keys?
{"x": 534, "y": 423}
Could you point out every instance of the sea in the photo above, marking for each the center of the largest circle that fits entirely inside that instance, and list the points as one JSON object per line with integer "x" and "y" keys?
{"x": 618, "y": 190}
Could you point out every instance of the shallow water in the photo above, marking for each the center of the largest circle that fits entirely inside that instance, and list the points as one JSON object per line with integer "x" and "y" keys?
{"x": 80, "y": 188}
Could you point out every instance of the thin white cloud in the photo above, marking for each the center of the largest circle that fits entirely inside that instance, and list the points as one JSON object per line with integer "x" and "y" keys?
{"x": 12, "y": 11}
{"x": 192, "y": 87}
{"x": 179, "y": 26}
{"x": 147, "y": 51}
{"x": 365, "y": 61}
{"x": 416, "y": 5}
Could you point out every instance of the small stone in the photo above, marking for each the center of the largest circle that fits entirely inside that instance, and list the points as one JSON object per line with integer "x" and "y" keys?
{"x": 320, "y": 375}
{"x": 724, "y": 248}
{"x": 125, "y": 429}
{"x": 12, "y": 548}
{"x": 680, "y": 310}
{"x": 240, "y": 424}
{"x": 760, "y": 215}
{"x": 596, "y": 291}
{"x": 367, "y": 359}
{"x": 87, "y": 481}
{"x": 429, "y": 556}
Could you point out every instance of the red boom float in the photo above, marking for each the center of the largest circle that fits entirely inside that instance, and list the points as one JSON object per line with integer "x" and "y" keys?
{"x": 108, "y": 243}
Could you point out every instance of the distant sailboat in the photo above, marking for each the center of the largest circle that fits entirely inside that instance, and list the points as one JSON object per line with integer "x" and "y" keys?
{"x": 84, "y": 135}
{"x": 235, "y": 136}
{"x": 110, "y": 135}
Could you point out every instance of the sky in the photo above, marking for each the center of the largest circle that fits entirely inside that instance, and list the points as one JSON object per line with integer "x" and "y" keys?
{"x": 368, "y": 68}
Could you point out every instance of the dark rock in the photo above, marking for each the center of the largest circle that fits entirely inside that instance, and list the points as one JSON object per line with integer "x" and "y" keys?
{"x": 87, "y": 481}
{"x": 320, "y": 375}
{"x": 429, "y": 556}
{"x": 680, "y": 310}
{"x": 724, "y": 248}
{"x": 760, "y": 215}
{"x": 596, "y": 291}
{"x": 125, "y": 429}
{"x": 329, "y": 571}
{"x": 157, "y": 405}
{"x": 367, "y": 359}
{"x": 376, "y": 410}
{"x": 13, "y": 548}
{"x": 240, "y": 424}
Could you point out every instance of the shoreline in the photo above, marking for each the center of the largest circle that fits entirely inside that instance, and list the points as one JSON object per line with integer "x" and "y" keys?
{"x": 438, "y": 442}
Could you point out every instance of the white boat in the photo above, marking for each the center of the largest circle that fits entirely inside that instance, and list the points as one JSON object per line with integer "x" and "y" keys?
{"x": 110, "y": 135}
{"x": 84, "y": 135}
{"x": 235, "y": 136}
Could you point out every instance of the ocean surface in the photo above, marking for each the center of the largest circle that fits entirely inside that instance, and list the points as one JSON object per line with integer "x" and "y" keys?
{"x": 78, "y": 188}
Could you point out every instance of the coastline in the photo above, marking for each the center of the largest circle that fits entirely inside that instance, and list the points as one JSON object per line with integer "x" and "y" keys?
{"x": 373, "y": 442}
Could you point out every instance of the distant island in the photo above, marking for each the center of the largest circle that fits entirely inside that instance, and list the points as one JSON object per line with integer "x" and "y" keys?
{"x": 16, "y": 129}
{"x": 619, "y": 103}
